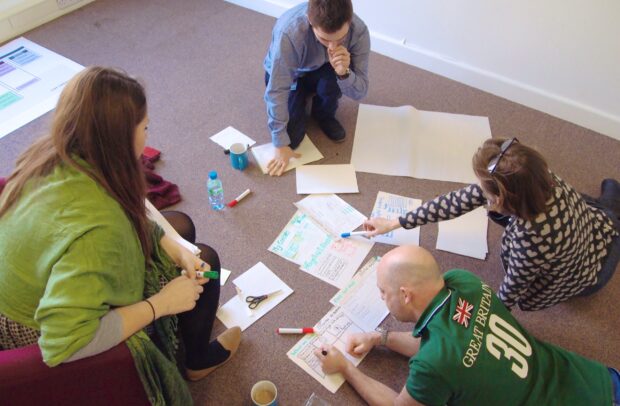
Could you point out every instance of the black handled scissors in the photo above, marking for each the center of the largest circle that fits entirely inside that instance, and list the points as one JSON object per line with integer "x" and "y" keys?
{"x": 254, "y": 301}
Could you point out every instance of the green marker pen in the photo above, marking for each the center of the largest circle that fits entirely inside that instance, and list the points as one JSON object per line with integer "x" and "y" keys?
{"x": 208, "y": 274}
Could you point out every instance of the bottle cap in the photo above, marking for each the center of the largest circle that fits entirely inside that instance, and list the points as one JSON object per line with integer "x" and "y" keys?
{"x": 213, "y": 175}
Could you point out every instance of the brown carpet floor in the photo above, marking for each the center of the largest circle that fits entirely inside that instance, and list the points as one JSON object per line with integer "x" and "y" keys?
{"x": 201, "y": 61}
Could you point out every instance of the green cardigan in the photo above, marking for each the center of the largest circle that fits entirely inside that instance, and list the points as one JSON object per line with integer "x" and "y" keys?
{"x": 70, "y": 254}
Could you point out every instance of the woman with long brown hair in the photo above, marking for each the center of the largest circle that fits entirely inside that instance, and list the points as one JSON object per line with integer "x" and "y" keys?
{"x": 556, "y": 244}
{"x": 83, "y": 268}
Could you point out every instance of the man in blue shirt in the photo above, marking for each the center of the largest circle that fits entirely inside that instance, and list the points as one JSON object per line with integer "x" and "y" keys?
{"x": 319, "y": 48}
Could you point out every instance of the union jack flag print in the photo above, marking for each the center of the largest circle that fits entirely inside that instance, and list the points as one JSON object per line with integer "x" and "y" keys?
{"x": 463, "y": 312}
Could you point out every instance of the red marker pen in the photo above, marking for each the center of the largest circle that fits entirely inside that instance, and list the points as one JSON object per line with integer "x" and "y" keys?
{"x": 304, "y": 330}
{"x": 238, "y": 198}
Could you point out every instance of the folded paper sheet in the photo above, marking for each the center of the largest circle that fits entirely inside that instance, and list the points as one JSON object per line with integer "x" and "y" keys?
{"x": 420, "y": 144}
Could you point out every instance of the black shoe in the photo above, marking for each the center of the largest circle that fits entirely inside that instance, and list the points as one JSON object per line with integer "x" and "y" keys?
{"x": 332, "y": 128}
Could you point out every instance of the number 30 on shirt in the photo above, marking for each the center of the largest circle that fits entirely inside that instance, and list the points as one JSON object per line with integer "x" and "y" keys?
{"x": 504, "y": 340}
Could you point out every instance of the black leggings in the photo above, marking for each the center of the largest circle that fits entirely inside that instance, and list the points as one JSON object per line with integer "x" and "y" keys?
{"x": 196, "y": 324}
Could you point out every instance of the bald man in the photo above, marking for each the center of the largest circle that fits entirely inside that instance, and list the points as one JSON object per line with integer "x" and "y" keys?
{"x": 466, "y": 348}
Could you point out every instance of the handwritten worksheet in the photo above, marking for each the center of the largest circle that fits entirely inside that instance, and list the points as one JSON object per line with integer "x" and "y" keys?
{"x": 334, "y": 214}
{"x": 361, "y": 299}
{"x": 331, "y": 329}
{"x": 392, "y": 206}
{"x": 329, "y": 258}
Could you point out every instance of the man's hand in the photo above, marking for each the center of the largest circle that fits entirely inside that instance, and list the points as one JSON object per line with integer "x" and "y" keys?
{"x": 340, "y": 59}
{"x": 278, "y": 164}
{"x": 334, "y": 361}
{"x": 359, "y": 344}
{"x": 379, "y": 225}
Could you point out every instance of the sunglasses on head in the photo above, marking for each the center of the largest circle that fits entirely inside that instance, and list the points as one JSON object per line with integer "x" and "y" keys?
{"x": 502, "y": 150}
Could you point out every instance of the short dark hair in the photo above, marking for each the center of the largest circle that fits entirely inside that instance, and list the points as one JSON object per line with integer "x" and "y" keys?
{"x": 330, "y": 15}
{"x": 521, "y": 181}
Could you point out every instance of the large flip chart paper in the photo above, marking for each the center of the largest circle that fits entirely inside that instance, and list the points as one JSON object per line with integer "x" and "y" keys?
{"x": 403, "y": 141}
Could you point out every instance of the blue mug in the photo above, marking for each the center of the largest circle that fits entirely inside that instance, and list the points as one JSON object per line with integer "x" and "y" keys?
{"x": 239, "y": 156}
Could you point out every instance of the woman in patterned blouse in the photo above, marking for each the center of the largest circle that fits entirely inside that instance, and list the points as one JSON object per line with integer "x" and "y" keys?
{"x": 556, "y": 244}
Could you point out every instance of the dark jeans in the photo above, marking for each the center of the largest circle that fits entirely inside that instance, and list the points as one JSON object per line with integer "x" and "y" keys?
{"x": 615, "y": 381}
{"x": 195, "y": 325}
{"x": 323, "y": 84}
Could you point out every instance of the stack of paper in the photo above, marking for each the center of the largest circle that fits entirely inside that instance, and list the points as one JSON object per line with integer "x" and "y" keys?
{"x": 265, "y": 153}
{"x": 420, "y": 144}
{"x": 392, "y": 206}
{"x": 465, "y": 235}
{"x": 336, "y": 215}
{"x": 256, "y": 281}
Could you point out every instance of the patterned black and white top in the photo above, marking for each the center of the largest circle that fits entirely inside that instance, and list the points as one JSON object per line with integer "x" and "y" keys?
{"x": 547, "y": 260}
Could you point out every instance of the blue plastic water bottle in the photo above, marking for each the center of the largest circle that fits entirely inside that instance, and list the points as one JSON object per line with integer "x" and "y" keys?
{"x": 216, "y": 191}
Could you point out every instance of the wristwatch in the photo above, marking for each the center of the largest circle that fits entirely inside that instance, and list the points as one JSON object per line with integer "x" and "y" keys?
{"x": 346, "y": 74}
{"x": 384, "y": 335}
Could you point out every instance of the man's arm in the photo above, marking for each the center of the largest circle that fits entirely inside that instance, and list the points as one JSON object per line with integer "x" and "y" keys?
{"x": 373, "y": 391}
{"x": 398, "y": 341}
{"x": 356, "y": 85}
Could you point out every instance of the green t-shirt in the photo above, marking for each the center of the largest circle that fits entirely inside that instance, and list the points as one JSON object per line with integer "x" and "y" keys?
{"x": 474, "y": 352}
{"x": 69, "y": 253}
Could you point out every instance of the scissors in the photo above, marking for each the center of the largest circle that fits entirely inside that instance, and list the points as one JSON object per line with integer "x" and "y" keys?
{"x": 254, "y": 301}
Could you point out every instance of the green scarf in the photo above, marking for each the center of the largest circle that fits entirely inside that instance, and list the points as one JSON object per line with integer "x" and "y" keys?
{"x": 158, "y": 372}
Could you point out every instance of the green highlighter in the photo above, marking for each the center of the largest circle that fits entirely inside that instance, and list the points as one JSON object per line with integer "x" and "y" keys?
{"x": 208, "y": 274}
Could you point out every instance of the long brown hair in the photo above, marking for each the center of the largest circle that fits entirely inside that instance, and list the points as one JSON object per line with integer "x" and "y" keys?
{"x": 95, "y": 120}
{"x": 521, "y": 181}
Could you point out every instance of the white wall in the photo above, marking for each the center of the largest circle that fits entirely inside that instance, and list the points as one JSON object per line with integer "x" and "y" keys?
{"x": 19, "y": 16}
{"x": 558, "y": 56}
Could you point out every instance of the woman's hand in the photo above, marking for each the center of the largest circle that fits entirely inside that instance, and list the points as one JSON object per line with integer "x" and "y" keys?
{"x": 190, "y": 263}
{"x": 379, "y": 225}
{"x": 178, "y": 296}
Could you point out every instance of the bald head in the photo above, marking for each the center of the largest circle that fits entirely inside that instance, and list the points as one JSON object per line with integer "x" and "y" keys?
{"x": 410, "y": 266}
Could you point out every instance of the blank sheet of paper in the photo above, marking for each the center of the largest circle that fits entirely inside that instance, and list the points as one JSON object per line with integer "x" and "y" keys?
{"x": 231, "y": 135}
{"x": 465, "y": 235}
{"x": 265, "y": 153}
{"x": 255, "y": 281}
{"x": 420, "y": 144}
{"x": 326, "y": 179}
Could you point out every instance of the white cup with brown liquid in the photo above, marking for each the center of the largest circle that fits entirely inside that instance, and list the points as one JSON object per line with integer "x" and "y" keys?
{"x": 264, "y": 393}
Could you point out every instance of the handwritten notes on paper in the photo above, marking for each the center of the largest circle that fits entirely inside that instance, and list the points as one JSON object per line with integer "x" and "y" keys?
{"x": 317, "y": 252}
{"x": 392, "y": 206}
{"x": 331, "y": 329}
{"x": 334, "y": 214}
{"x": 361, "y": 299}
